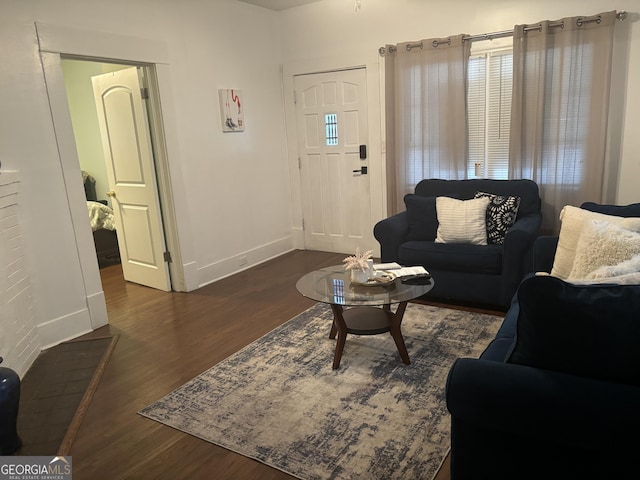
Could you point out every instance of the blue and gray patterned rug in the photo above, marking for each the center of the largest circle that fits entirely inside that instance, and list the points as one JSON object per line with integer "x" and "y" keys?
{"x": 278, "y": 400}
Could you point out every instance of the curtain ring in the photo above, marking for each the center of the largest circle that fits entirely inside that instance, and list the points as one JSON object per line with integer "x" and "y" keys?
{"x": 530, "y": 28}
{"x": 436, "y": 43}
{"x": 409, "y": 47}
{"x": 582, "y": 21}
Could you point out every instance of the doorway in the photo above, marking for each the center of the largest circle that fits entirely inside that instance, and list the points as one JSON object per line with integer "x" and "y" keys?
{"x": 114, "y": 148}
{"x": 332, "y": 129}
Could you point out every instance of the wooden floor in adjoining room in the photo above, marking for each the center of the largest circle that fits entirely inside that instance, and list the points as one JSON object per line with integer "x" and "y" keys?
{"x": 167, "y": 339}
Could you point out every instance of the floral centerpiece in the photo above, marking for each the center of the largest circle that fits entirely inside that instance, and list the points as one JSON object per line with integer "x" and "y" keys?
{"x": 360, "y": 265}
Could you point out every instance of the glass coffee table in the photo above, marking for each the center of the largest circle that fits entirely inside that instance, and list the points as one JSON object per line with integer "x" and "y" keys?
{"x": 361, "y": 309}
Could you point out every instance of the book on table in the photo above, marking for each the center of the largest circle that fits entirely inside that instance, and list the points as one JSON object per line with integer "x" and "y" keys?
{"x": 400, "y": 271}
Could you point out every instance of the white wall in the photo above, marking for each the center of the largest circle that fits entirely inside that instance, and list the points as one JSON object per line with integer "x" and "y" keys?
{"x": 238, "y": 186}
{"x": 28, "y": 145}
{"x": 331, "y": 29}
{"x": 233, "y": 189}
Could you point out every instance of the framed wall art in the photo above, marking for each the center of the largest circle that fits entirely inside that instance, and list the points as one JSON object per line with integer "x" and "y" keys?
{"x": 231, "y": 110}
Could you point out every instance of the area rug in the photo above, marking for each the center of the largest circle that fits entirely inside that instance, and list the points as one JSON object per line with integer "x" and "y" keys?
{"x": 278, "y": 400}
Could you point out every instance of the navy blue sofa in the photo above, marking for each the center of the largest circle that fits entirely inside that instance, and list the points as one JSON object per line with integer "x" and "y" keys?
{"x": 556, "y": 394}
{"x": 486, "y": 274}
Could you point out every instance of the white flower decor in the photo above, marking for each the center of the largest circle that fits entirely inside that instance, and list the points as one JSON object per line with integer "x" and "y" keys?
{"x": 358, "y": 261}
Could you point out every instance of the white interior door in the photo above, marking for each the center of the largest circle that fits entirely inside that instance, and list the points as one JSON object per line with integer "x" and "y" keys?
{"x": 331, "y": 116}
{"x": 130, "y": 170}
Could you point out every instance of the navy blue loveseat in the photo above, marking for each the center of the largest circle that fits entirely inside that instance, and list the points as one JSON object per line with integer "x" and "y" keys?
{"x": 557, "y": 392}
{"x": 487, "y": 274}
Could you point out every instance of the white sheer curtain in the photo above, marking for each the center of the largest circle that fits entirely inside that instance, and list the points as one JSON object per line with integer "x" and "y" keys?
{"x": 425, "y": 105}
{"x": 559, "y": 109}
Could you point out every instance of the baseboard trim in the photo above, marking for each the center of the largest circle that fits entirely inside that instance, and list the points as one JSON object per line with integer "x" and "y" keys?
{"x": 64, "y": 328}
{"x": 97, "y": 310}
{"x": 243, "y": 261}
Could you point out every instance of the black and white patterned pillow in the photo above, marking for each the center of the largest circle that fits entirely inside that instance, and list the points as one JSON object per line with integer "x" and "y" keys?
{"x": 501, "y": 215}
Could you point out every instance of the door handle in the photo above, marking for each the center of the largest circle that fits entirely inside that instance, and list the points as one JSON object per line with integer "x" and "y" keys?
{"x": 111, "y": 193}
{"x": 362, "y": 170}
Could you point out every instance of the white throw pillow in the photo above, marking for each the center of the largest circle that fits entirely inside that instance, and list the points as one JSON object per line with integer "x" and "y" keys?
{"x": 603, "y": 244}
{"x": 573, "y": 221}
{"x": 462, "y": 221}
{"x": 626, "y": 279}
{"x": 627, "y": 267}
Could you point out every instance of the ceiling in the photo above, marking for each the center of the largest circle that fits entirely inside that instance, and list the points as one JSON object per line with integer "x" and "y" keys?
{"x": 278, "y": 4}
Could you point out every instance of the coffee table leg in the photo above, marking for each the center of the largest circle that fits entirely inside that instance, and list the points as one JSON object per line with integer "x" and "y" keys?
{"x": 396, "y": 333}
{"x": 340, "y": 326}
{"x": 334, "y": 329}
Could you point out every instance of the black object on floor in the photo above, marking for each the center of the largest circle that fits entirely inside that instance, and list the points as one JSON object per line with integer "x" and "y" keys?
{"x": 9, "y": 401}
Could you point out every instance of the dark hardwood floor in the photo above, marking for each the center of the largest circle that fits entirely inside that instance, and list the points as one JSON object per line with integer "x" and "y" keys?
{"x": 165, "y": 340}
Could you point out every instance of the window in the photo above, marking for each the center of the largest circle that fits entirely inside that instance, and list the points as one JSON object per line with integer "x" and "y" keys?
{"x": 331, "y": 128}
{"x": 489, "y": 77}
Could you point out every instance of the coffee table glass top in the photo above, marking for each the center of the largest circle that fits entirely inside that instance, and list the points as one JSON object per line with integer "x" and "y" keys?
{"x": 333, "y": 285}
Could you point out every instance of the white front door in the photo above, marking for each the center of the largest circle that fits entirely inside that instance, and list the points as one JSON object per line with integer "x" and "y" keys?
{"x": 331, "y": 116}
{"x": 132, "y": 181}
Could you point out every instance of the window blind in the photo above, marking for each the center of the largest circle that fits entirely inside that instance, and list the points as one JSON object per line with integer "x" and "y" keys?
{"x": 489, "y": 114}
{"x": 477, "y": 112}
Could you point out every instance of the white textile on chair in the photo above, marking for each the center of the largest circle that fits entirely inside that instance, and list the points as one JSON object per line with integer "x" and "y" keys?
{"x": 100, "y": 216}
{"x": 574, "y": 222}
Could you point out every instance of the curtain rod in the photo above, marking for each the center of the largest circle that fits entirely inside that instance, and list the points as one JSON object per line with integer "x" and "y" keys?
{"x": 621, "y": 15}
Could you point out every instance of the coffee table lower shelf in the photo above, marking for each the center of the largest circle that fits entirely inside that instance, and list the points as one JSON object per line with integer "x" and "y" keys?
{"x": 367, "y": 321}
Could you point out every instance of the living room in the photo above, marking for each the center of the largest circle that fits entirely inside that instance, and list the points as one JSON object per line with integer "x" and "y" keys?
{"x": 202, "y": 47}
{"x": 203, "y": 159}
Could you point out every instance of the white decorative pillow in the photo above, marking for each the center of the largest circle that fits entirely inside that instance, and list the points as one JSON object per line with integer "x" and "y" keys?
{"x": 462, "y": 221}
{"x": 603, "y": 244}
{"x": 573, "y": 221}
{"x": 626, "y": 279}
{"x": 624, "y": 273}
{"x": 627, "y": 267}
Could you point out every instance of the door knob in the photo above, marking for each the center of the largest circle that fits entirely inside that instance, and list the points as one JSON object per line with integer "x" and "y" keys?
{"x": 111, "y": 193}
{"x": 362, "y": 170}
